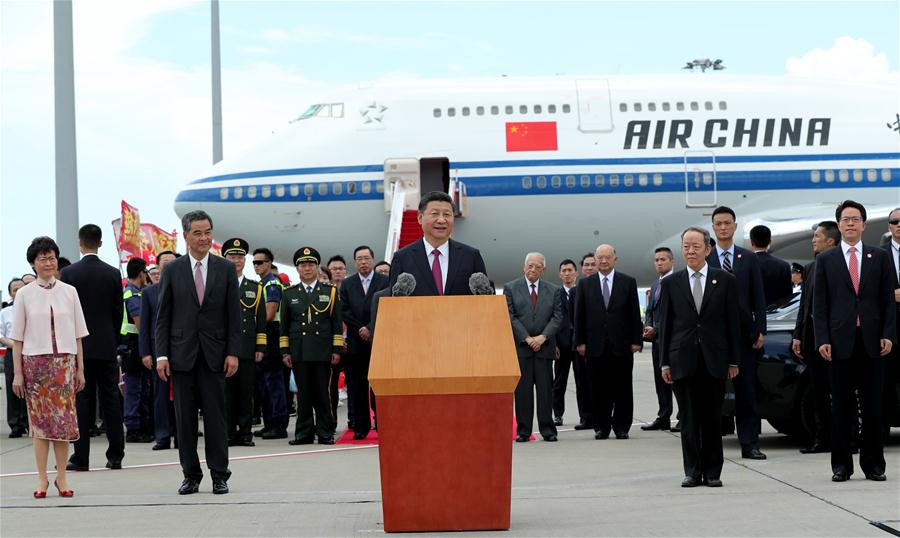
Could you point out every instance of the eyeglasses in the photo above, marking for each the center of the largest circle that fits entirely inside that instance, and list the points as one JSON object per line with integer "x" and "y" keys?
{"x": 847, "y": 220}
{"x": 894, "y": 222}
{"x": 259, "y": 262}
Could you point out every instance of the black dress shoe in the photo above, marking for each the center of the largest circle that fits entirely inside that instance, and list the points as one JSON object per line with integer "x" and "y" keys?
{"x": 604, "y": 434}
{"x": 114, "y": 465}
{"x": 689, "y": 482}
{"x": 256, "y": 421}
{"x": 359, "y": 436}
{"x": 275, "y": 433}
{"x": 261, "y": 432}
{"x": 551, "y": 438}
{"x": 877, "y": 477}
{"x": 713, "y": 482}
{"x": 752, "y": 454}
{"x": 583, "y": 426}
{"x": 326, "y": 440}
{"x": 558, "y": 421}
{"x": 189, "y": 486}
{"x": 303, "y": 441}
{"x": 621, "y": 435}
{"x": 17, "y": 432}
{"x": 676, "y": 428}
{"x": 840, "y": 477}
{"x": 246, "y": 440}
{"x": 522, "y": 438}
{"x": 163, "y": 445}
{"x": 657, "y": 424}
{"x": 220, "y": 487}
{"x": 815, "y": 448}
{"x": 71, "y": 466}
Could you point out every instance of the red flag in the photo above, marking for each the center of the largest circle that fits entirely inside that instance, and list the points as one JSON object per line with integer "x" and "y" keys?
{"x": 531, "y": 136}
{"x": 130, "y": 238}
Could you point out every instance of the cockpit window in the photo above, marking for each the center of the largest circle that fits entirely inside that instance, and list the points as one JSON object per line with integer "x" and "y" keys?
{"x": 323, "y": 110}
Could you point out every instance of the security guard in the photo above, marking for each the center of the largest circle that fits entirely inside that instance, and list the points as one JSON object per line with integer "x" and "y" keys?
{"x": 137, "y": 418}
{"x": 311, "y": 340}
{"x": 239, "y": 387}
{"x": 271, "y": 370}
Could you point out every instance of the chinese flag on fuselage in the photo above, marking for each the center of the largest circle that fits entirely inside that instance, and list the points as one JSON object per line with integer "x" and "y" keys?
{"x": 531, "y": 136}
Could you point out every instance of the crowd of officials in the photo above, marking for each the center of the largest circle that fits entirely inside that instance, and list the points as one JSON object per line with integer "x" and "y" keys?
{"x": 192, "y": 336}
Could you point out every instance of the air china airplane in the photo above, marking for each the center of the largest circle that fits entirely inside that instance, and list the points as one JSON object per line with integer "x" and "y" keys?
{"x": 562, "y": 164}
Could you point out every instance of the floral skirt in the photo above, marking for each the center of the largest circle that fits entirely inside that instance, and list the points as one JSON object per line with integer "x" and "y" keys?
{"x": 50, "y": 395}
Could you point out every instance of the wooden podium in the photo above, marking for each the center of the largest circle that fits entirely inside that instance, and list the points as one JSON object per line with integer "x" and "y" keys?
{"x": 444, "y": 370}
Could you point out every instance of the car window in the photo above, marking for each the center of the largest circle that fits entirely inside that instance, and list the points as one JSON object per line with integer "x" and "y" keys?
{"x": 784, "y": 310}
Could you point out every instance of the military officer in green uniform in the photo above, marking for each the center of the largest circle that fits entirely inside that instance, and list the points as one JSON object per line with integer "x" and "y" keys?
{"x": 239, "y": 387}
{"x": 311, "y": 341}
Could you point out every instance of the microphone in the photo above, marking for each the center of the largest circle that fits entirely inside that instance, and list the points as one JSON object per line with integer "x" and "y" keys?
{"x": 479, "y": 284}
{"x": 405, "y": 285}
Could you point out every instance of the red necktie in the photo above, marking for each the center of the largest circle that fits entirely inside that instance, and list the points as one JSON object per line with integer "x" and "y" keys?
{"x": 533, "y": 296}
{"x": 436, "y": 272}
{"x": 854, "y": 275}
{"x": 198, "y": 283}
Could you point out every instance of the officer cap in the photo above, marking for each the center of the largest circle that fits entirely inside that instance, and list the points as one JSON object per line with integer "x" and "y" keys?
{"x": 235, "y": 246}
{"x": 307, "y": 254}
{"x": 796, "y": 268}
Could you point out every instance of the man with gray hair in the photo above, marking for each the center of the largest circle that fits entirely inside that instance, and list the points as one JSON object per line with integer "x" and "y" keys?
{"x": 535, "y": 311}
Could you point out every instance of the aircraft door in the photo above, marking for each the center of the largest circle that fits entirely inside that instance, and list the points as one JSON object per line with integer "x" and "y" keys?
{"x": 700, "y": 179}
{"x": 594, "y": 109}
{"x": 407, "y": 172}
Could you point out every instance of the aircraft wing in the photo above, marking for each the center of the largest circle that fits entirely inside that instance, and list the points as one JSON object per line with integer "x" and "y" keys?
{"x": 796, "y": 223}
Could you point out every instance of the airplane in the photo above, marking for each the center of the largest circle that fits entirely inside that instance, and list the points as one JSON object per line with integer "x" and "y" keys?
{"x": 562, "y": 164}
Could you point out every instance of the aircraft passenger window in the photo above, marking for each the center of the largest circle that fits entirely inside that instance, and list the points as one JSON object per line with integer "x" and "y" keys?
{"x": 451, "y": 112}
{"x": 495, "y": 110}
{"x": 566, "y": 109}
{"x": 337, "y": 110}
{"x": 598, "y": 180}
{"x": 814, "y": 176}
{"x": 551, "y": 109}
{"x": 585, "y": 182}
{"x": 642, "y": 180}
{"x": 857, "y": 176}
{"x": 323, "y": 189}
{"x": 351, "y": 187}
{"x": 695, "y": 105}
{"x": 465, "y": 111}
{"x": 829, "y": 176}
{"x": 843, "y": 176}
{"x": 437, "y": 112}
{"x": 508, "y": 109}
{"x": 379, "y": 187}
{"x": 614, "y": 180}
{"x": 679, "y": 106}
{"x": 885, "y": 174}
{"x": 723, "y": 105}
{"x": 279, "y": 191}
{"x": 295, "y": 190}
{"x": 556, "y": 182}
{"x": 708, "y": 105}
{"x": 657, "y": 180}
{"x": 479, "y": 110}
{"x": 637, "y": 107}
{"x": 623, "y": 107}
{"x": 307, "y": 190}
{"x": 651, "y": 107}
{"x": 337, "y": 188}
{"x": 537, "y": 109}
{"x": 707, "y": 178}
{"x": 223, "y": 193}
{"x": 628, "y": 180}
{"x": 366, "y": 187}
{"x": 523, "y": 109}
{"x": 872, "y": 175}
{"x": 238, "y": 193}
{"x": 526, "y": 182}
{"x": 251, "y": 192}
{"x": 266, "y": 191}
{"x": 542, "y": 182}
{"x": 665, "y": 106}
{"x": 570, "y": 182}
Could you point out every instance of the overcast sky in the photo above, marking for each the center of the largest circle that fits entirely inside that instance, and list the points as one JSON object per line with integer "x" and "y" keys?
{"x": 142, "y": 75}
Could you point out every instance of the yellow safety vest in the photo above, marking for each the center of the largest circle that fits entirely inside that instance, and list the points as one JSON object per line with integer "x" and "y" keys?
{"x": 128, "y": 328}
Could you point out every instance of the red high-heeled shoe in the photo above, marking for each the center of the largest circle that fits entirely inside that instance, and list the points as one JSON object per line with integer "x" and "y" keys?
{"x": 38, "y": 494}
{"x": 62, "y": 492}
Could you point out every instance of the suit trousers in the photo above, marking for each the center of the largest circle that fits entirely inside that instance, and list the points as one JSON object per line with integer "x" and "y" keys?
{"x": 16, "y": 410}
{"x": 561, "y": 368}
{"x": 336, "y": 370}
{"x": 700, "y": 398}
{"x": 137, "y": 412}
{"x": 356, "y": 370}
{"x": 239, "y": 400}
{"x": 271, "y": 385}
{"x": 820, "y": 383}
{"x": 746, "y": 417}
{"x": 163, "y": 410}
{"x": 536, "y": 377}
{"x": 663, "y": 389}
{"x": 611, "y": 391}
{"x": 101, "y": 377}
{"x": 583, "y": 389}
{"x": 313, "y": 386}
{"x": 864, "y": 374}
{"x": 201, "y": 388}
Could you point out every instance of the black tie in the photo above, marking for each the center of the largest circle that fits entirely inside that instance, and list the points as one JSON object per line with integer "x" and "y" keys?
{"x": 726, "y": 262}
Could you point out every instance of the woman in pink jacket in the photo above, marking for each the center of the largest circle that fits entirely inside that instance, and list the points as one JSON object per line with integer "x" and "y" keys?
{"x": 48, "y": 326}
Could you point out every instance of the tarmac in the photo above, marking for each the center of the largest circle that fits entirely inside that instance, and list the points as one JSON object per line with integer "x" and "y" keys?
{"x": 576, "y": 487}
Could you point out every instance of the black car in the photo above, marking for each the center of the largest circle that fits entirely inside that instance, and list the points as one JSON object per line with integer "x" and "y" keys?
{"x": 783, "y": 392}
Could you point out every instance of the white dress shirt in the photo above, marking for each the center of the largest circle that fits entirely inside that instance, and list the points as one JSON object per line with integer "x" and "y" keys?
{"x": 846, "y": 248}
{"x": 720, "y": 252}
{"x": 444, "y": 260}
{"x": 610, "y": 277}
{"x": 703, "y": 271}
{"x": 366, "y": 281}
{"x": 537, "y": 285}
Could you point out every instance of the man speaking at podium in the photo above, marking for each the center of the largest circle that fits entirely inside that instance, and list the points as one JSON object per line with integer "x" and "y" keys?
{"x": 440, "y": 265}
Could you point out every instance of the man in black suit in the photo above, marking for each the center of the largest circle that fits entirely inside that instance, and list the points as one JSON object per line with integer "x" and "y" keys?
{"x": 664, "y": 261}
{"x": 826, "y": 236}
{"x": 565, "y": 352}
{"x": 440, "y": 265}
{"x": 356, "y": 303}
{"x": 744, "y": 265}
{"x": 608, "y": 333}
{"x": 99, "y": 287}
{"x": 579, "y": 362}
{"x": 198, "y": 338}
{"x": 854, "y": 314}
{"x": 699, "y": 339}
{"x": 776, "y": 273}
{"x": 892, "y": 373}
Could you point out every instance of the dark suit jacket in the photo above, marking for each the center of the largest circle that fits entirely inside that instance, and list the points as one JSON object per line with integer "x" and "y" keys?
{"x": 99, "y": 287}
{"x": 386, "y": 292}
{"x": 356, "y": 308}
{"x": 685, "y": 333}
{"x": 149, "y": 310}
{"x": 751, "y": 296}
{"x": 803, "y": 328}
{"x": 896, "y": 280}
{"x": 617, "y": 327}
{"x": 183, "y": 326}
{"x": 836, "y": 305}
{"x": 567, "y": 324}
{"x": 544, "y": 317}
{"x": 464, "y": 261}
{"x": 776, "y": 277}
